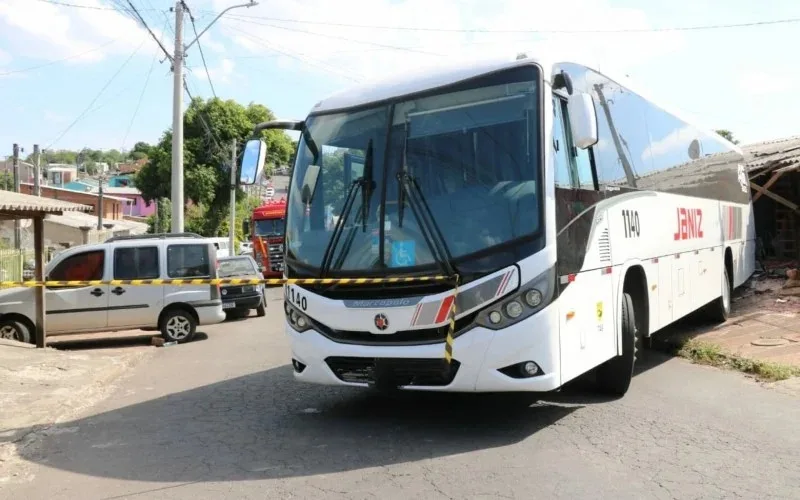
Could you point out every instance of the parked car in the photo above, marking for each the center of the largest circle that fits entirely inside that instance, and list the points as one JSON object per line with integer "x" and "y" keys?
{"x": 246, "y": 248}
{"x": 175, "y": 310}
{"x": 238, "y": 300}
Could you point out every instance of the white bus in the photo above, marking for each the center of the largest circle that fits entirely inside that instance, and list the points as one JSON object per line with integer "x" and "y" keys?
{"x": 579, "y": 216}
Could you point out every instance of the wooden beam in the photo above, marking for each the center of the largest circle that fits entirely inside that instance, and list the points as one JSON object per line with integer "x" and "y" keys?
{"x": 23, "y": 214}
{"x": 38, "y": 248}
{"x": 772, "y": 180}
{"x": 779, "y": 199}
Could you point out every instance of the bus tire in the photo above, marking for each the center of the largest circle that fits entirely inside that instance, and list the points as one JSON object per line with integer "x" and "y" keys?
{"x": 614, "y": 376}
{"x": 719, "y": 310}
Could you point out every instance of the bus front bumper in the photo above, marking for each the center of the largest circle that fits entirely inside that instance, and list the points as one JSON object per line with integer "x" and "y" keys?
{"x": 484, "y": 360}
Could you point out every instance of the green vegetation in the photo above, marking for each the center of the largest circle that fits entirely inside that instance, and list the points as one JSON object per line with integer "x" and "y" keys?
{"x": 209, "y": 129}
{"x": 707, "y": 353}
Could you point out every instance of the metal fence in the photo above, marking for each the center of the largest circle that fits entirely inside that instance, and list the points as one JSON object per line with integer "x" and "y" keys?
{"x": 17, "y": 264}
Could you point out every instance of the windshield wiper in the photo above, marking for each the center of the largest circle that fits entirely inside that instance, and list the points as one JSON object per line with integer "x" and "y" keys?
{"x": 422, "y": 212}
{"x": 430, "y": 230}
{"x": 367, "y": 186}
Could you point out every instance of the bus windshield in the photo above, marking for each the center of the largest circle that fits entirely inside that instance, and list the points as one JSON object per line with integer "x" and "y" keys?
{"x": 471, "y": 155}
{"x": 269, "y": 227}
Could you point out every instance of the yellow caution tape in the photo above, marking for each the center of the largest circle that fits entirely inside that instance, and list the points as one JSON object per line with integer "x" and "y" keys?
{"x": 449, "y": 341}
{"x": 229, "y": 281}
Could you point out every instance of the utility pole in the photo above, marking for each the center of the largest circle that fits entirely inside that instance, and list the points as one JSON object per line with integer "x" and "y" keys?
{"x": 177, "y": 122}
{"x": 17, "y": 230}
{"x": 100, "y": 203}
{"x": 177, "y": 108}
{"x": 232, "y": 228}
{"x": 37, "y": 172}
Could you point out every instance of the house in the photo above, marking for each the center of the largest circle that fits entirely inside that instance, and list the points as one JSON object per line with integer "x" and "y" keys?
{"x": 114, "y": 207}
{"x": 131, "y": 167}
{"x": 58, "y": 176}
{"x": 72, "y": 229}
{"x": 774, "y": 171}
{"x": 138, "y": 206}
{"x": 26, "y": 170}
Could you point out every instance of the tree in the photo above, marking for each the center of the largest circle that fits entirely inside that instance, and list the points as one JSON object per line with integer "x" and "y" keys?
{"x": 727, "y": 134}
{"x": 209, "y": 128}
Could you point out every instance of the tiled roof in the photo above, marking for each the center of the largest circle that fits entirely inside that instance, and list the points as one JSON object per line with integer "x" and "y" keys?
{"x": 11, "y": 202}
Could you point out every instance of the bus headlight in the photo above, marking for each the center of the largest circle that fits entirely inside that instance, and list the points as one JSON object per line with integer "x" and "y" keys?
{"x": 514, "y": 309}
{"x": 529, "y": 298}
{"x": 299, "y": 321}
{"x": 533, "y": 297}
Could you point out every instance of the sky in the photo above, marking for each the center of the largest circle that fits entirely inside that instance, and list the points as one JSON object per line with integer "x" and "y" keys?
{"x": 83, "y": 73}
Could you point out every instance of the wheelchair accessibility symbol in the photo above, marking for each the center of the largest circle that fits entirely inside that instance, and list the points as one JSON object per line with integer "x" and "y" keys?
{"x": 403, "y": 253}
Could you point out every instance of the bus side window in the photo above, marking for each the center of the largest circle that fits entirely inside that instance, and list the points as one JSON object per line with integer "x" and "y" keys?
{"x": 561, "y": 165}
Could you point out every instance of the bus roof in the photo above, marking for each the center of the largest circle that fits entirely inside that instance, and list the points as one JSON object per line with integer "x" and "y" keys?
{"x": 432, "y": 77}
{"x": 415, "y": 81}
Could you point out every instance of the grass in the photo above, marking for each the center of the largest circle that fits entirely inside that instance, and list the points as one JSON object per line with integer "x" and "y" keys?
{"x": 707, "y": 353}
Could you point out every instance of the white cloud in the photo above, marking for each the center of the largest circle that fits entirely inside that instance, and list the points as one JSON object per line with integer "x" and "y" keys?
{"x": 47, "y": 31}
{"x": 325, "y": 48}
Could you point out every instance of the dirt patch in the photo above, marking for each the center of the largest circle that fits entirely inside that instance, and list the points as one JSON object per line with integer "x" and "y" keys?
{"x": 43, "y": 387}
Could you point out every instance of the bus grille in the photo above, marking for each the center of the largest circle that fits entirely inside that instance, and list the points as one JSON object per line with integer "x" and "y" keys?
{"x": 404, "y": 337}
{"x": 394, "y": 371}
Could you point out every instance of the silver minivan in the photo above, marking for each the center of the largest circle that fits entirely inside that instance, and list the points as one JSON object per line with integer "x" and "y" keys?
{"x": 174, "y": 310}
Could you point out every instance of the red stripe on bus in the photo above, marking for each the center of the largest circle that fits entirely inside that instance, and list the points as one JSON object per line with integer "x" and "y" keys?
{"x": 503, "y": 283}
{"x": 444, "y": 309}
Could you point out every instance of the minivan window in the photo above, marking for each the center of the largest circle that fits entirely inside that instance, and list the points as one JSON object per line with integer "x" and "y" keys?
{"x": 136, "y": 263}
{"x": 188, "y": 261}
{"x": 85, "y": 266}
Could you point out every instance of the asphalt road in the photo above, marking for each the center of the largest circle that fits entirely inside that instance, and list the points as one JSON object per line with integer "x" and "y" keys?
{"x": 222, "y": 418}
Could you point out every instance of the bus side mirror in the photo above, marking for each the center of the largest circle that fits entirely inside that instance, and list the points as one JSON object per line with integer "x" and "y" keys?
{"x": 246, "y": 227}
{"x": 252, "y": 168}
{"x": 309, "y": 184}
{"x": 582, "y": 120}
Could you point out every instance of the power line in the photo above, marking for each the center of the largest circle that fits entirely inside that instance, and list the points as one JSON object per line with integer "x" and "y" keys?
{"x": 77, "y": 6}
{"x": 31, "y": 68}
{"x": 210, "y": 132}
{"x": 309, "y": 61}
{"x": 96, "y": 97}
{"x": 200, "y": 47}
{"x": 365, "y": 42}
{"x": 144, "y": 23}
{"x": 564, "y": 31}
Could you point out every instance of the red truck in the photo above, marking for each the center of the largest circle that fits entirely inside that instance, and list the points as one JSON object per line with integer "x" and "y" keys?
{"x": 266, "y": 229}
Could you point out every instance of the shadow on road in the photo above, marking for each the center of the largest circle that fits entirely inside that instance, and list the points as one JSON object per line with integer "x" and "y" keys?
{"x": 264, "y": 425}
{"x": 104, "y": 342}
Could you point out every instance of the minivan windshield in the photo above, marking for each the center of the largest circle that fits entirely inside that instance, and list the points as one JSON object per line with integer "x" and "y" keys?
{"x": 470, "y": 152}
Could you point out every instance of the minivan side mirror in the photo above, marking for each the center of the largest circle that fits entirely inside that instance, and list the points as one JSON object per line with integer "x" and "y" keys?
{"x": 252, "y": 168}
{"x": 582, "y": 120}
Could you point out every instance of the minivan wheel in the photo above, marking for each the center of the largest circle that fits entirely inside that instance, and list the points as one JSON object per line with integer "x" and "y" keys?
{"x": 178, "y": 325}
{"x": 14, "y": 330}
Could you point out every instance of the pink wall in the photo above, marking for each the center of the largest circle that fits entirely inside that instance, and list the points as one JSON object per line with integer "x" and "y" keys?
{"x": 139, "y": 208}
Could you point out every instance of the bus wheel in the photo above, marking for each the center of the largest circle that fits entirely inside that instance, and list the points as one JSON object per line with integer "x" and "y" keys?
{"x": 719, "y": 310}
{"x": 614, "y": 376}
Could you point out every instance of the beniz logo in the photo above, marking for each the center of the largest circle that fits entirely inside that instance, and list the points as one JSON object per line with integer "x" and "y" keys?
{"x": 690, "y": 224}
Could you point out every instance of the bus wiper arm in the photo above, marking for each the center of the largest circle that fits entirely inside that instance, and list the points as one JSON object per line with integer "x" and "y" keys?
{"x": 337, "y": 229}
{"x": 367, "y": 186}
{"x": 430, "y": 230}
